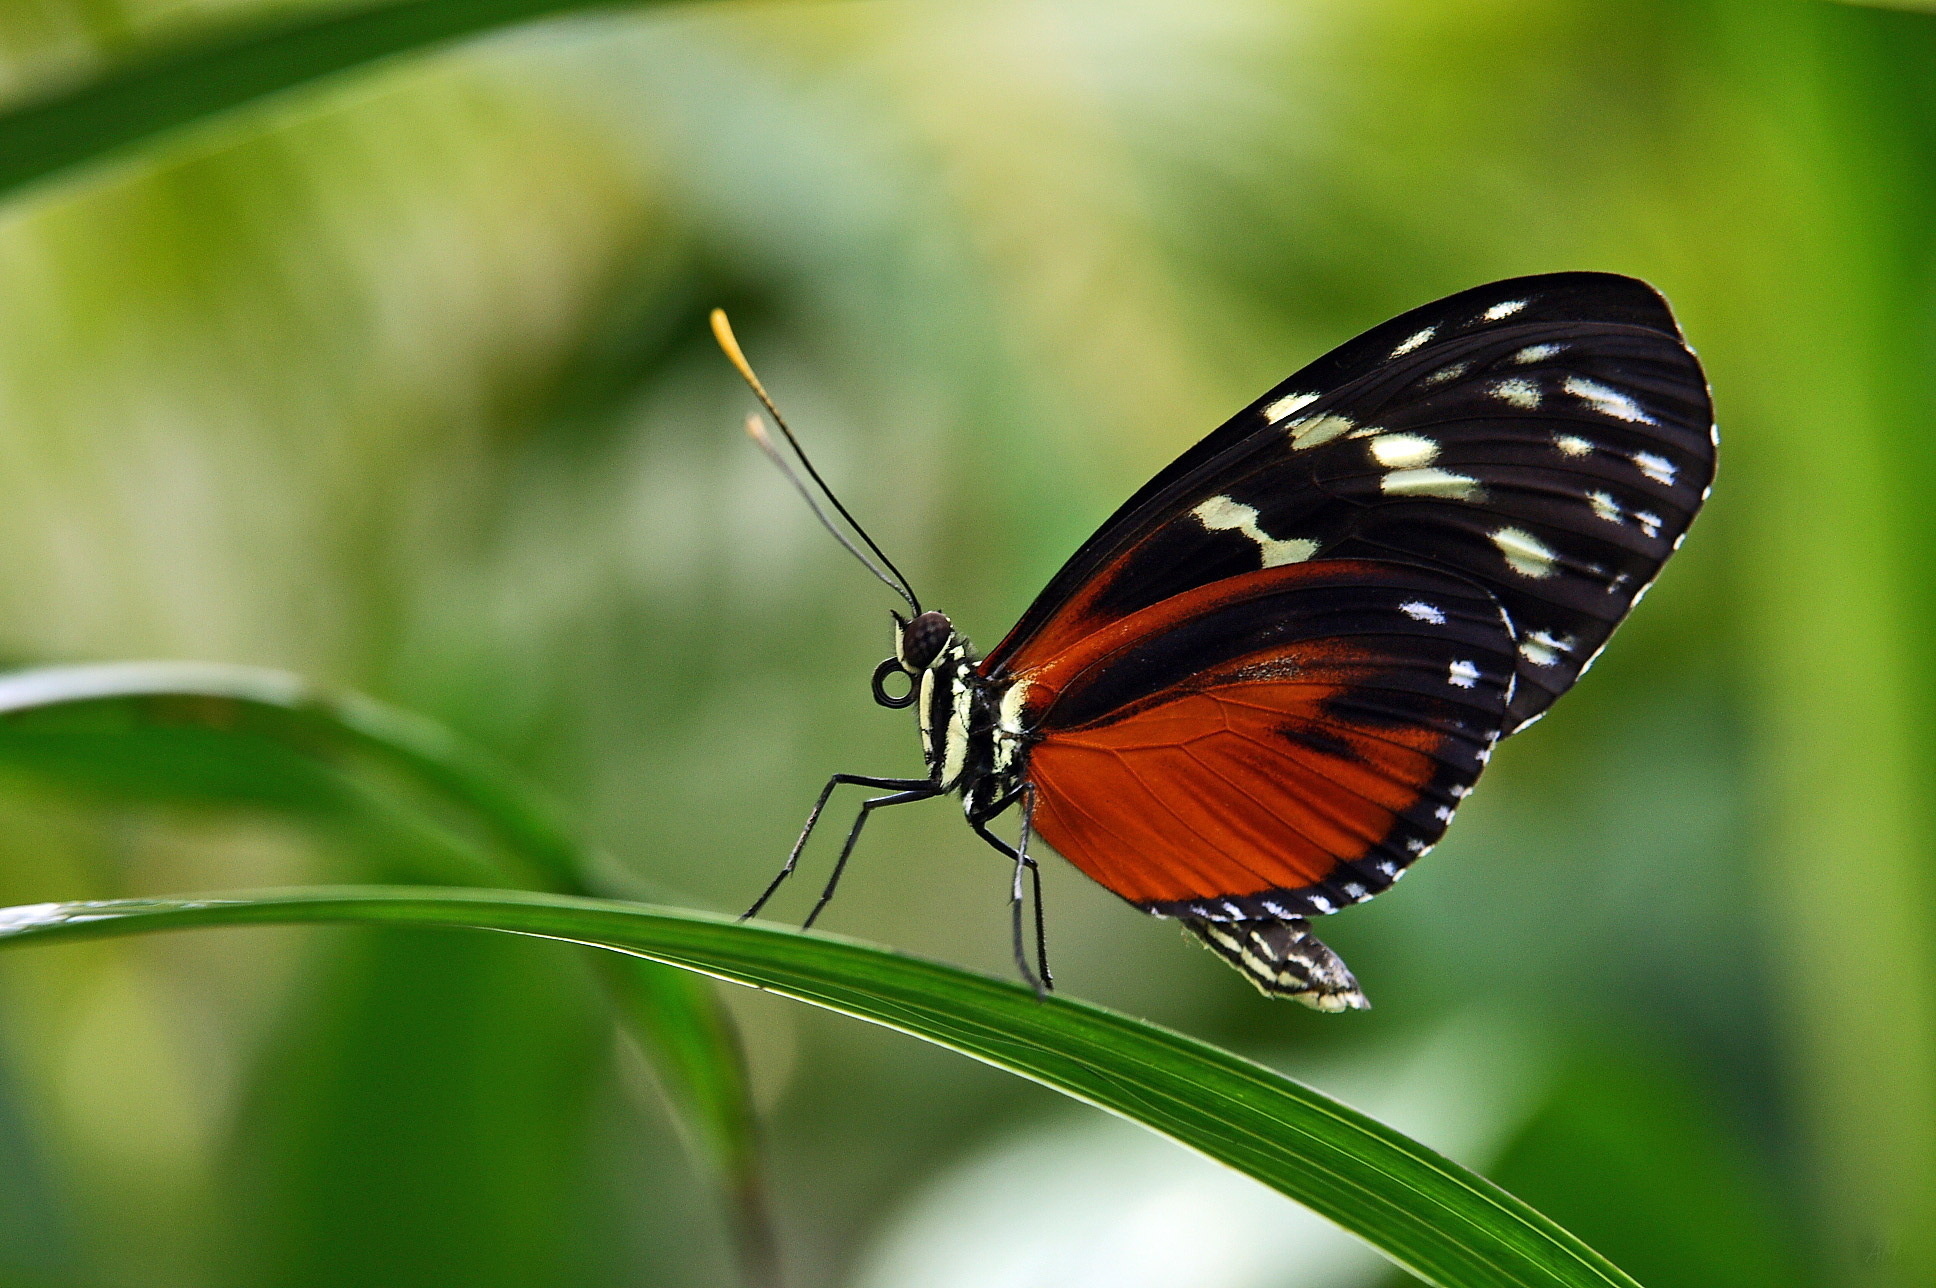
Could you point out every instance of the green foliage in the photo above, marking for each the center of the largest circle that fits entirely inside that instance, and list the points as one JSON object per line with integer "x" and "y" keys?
{"x": 404, "y": 385}
{"x": 1424, "y": 1211}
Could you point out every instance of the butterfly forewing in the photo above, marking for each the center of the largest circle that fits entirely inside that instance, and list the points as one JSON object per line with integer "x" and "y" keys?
{"x": 1548, "y": 438}
{"x": 1277, "y": 744}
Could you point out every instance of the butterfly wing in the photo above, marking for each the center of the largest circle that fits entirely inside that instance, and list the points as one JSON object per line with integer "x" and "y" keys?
{"x": 1546, "y": 438}
{"x": 1275, "y": 745}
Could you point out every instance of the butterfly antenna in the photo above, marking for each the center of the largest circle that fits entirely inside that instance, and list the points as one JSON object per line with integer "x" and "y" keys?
{"x": 729, "y": 345}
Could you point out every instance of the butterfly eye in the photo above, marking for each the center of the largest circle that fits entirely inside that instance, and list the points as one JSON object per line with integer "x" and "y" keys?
{"x": 923, "y": 639}
{"x": 892, "y": 666}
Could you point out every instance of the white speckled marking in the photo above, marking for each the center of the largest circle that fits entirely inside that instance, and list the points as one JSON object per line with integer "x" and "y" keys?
{"x": 1525, "y": 553}
{"x": 1573, "y": 445}
{"x": 1222, "y": 514}
{"x": 1607, "y": 400}
{"x": 1420, "y": 611}
{"x": 1414, "y": 341}
{"x": 1457, "y": 487}
{"x": 1543, "y": 649}
{"x": 1499, "y": 312}
{"x": 1658, "y": 468}
{"x": 1520, "y": 393}
{"x": 1443, "y": 813}
{"x": 1649, "y": 522}
{"x": 1008, "y": 725}
{"x": 1276, "y": 909}
{"x": 1318, "y": 430}
{"x": 1462, "y": 675}
{"x": 1285, "y": 406}
{"x": 1403, "y": 451}
{"x": 1537, "y": 353}
{"x": 1604, "y": 506}
{"x": 1319, "y": 902}
{"x": 1444, "y": 374}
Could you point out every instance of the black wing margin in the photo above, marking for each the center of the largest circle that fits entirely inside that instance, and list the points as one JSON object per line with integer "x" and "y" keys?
{"x": 1548, "y": 438}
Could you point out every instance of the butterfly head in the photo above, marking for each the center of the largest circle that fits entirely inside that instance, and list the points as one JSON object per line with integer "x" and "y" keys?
{"x": 918, "y": 646}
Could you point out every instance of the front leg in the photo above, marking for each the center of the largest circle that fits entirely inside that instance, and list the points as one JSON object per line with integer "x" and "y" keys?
{"x": 793, "y": 859}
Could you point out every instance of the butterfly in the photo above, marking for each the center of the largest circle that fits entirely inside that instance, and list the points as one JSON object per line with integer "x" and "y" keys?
{"x": 1260, "y": 691}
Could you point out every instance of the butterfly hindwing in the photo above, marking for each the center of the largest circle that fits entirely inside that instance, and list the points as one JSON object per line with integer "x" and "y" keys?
{"x": 1548, "y": 439}
{"x": 1277, "y": 744}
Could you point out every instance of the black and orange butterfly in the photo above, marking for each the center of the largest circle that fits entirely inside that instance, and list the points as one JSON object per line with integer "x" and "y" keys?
{"x": 1259, "y": 692}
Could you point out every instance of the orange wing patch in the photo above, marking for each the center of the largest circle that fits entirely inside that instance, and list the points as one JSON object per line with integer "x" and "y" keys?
{"x": 1307, "y": 735}
{"x": 1226, "y": 793}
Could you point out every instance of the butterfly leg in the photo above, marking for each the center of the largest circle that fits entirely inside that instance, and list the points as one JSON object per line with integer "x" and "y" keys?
{"x": 924, "y": 791}
{"x": 1044, "y": 982}
{"x": 813, "y": 818}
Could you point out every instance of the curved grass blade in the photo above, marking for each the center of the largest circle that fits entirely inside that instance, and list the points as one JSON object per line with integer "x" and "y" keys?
{"x": 195, "y": 80}
{"x": 1443, "y": 1223}
{"x": 123, "y": 725}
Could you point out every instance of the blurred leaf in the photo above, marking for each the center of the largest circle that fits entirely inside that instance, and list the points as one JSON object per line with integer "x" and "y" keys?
{"x": 1445, "y": 1224}
{"x": 195, "y": 80}
{"x": 1630, "y": 1152}
{"x": 233, "y": 733}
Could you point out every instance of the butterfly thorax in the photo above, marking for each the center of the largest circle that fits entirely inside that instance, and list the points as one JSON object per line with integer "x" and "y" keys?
{"x": 972, "y": 740}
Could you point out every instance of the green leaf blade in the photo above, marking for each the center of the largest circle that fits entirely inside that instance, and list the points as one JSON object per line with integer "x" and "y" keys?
{"x": 113, "y": 714}
{"x": 196, "y": 80}
{"x": 1428, "y": 1214}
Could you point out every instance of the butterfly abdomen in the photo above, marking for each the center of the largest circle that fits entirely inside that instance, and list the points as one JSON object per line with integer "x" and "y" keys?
{"x": 1283, "y": 959}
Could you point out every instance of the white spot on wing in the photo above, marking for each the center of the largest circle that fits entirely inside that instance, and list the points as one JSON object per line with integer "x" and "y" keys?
{"x": 1525, "y": 553}
{"x": 1414, "y": 341}
{"x": 1443, "y": 813}
{"x": 1458, "y": 487}
{"x": 1319, "y": 430}
{"x": 1520, "y": 393}
{"x": 1542, "y": 648}
{"x": 1658, "y": 468}
{"x": 1463, "y": 675}
{"x": 1285, "y": 406}
{"x": 1573, "y": 445}
{"x": 1537, "y": 353}
{"x": 1607, "y": 400}
{"x": 1604, "y": 505}
{"x": 1420, "y": 611}
{"x": 1403, "y": 451}
{"x": 1222, "y": 514}
{"x": 1444, "y": 374}
{"x": 1648, "y": 521}
{"x": 1504, "y": 310}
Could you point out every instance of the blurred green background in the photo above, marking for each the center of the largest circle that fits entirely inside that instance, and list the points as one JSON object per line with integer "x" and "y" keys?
{"x": 403, "y": 382}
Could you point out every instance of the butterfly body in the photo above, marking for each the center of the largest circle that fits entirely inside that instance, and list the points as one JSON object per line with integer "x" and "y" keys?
{"x": 1261, "y": 690}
